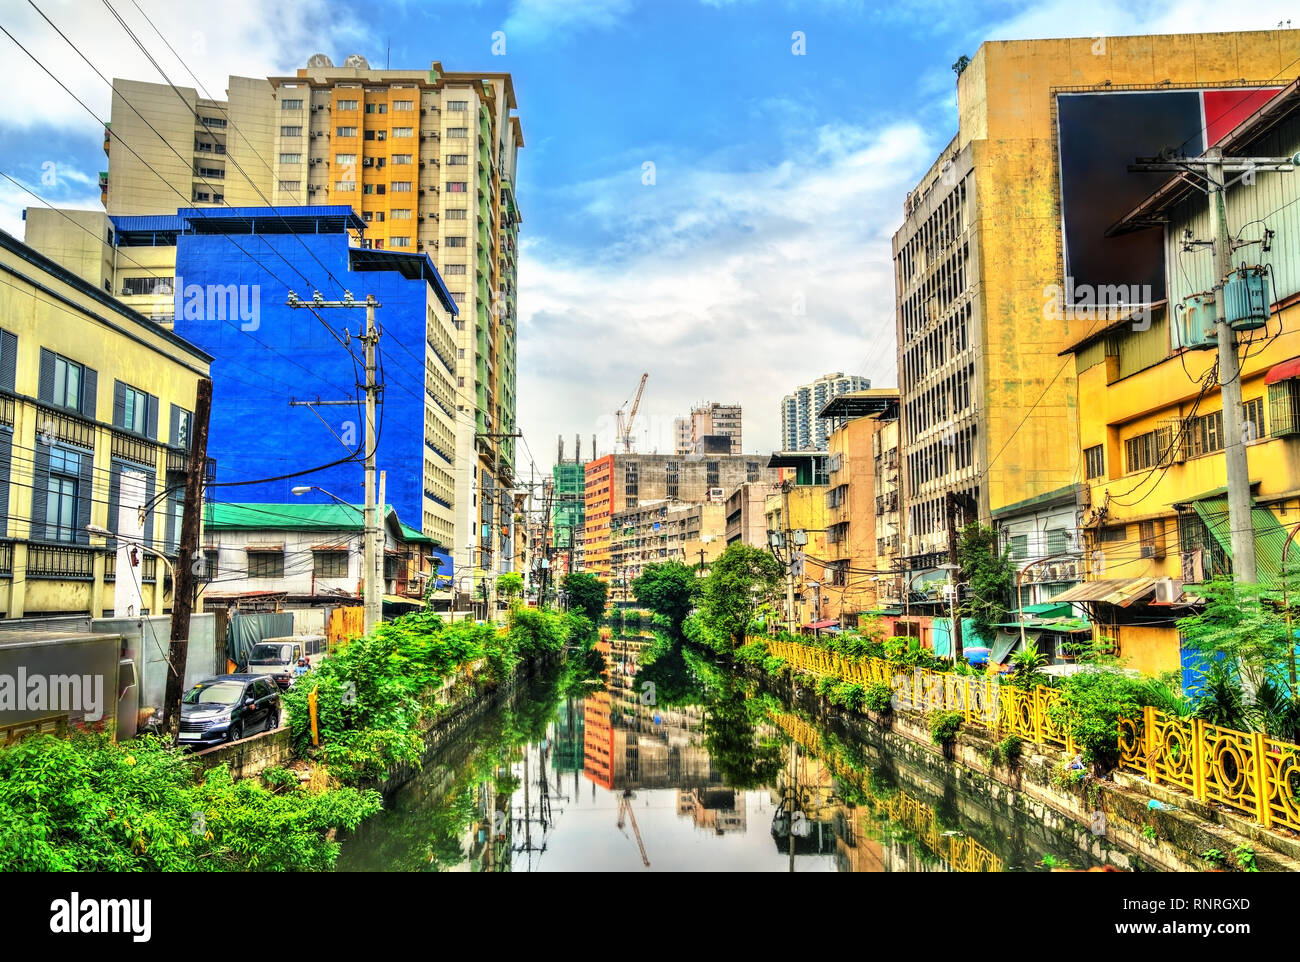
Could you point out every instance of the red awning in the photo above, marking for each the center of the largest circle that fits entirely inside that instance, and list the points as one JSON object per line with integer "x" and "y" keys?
{"x": 1280, "y": 372}
{"x": 819, "y": 625}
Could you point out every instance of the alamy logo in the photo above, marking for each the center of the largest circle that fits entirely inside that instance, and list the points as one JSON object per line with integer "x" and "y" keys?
{"x": 74, "y": 915}
{"x": 220, "y": 302}
{"x": 61, "y": 693}
{"x": 1085, "y": 300}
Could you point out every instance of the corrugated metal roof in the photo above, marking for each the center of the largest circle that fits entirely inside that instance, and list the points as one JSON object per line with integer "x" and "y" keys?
{"x": 1112, "y": 591}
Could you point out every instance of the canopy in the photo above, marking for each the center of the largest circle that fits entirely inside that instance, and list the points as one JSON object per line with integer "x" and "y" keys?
{"x": 1112, "y": 591}
{"x": 819, "y": 625}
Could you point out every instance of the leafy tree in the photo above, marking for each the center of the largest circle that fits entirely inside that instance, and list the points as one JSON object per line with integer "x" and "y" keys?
{"x": 586, "y": 593}
{"x": 1242, "y": 624}
{"x": 737, "y": 584}
{"x": 670, "y": 590}
{"x": 989, "y": 575}
{"x": 510, "y": 584}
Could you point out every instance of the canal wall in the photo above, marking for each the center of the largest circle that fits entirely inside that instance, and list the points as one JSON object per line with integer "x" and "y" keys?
{"x": 1112, "y": 822}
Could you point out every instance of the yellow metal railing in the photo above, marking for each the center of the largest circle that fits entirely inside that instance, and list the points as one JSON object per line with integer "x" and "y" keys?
{"x": 1246, "y": 771}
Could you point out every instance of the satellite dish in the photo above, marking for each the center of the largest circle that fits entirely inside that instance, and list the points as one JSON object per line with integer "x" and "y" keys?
{"x": 319, "y": 60}
{"x": 356, "y": 60}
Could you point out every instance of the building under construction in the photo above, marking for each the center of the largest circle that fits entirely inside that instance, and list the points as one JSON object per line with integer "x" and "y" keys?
{"x": 567, "y": 509}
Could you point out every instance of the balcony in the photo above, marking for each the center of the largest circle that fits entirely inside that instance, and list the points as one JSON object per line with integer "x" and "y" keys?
{"x": 64, "y": 562}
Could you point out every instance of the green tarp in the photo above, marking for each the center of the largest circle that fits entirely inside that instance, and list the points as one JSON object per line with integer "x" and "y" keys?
{"x": 1006, "y": 642}
{"x": 1270, "y": 536}
{"x": 245, "y": 631}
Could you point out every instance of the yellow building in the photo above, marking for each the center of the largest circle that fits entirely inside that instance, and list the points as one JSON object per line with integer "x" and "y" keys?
{"x": 1151, "y": 431}
{"x": 799, "y": 511}
{"x": 988, "y": 404}
{"x": 88, "y": 389}
{"x": 426, "y": 157}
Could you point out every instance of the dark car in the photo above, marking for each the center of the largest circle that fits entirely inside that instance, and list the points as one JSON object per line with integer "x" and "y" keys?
{"x": 227, "y": 708}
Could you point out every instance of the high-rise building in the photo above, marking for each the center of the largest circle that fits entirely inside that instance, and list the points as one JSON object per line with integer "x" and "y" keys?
{"x": 715, "y": 420}
{"x": 682, "y": 435}
{"x": 988, "y": 403}
{"x": 801, "y": 429}
{"x": 426, "y": 158}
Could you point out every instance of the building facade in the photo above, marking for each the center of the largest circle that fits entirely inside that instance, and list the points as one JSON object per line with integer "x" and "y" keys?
{"x": 801, "y": 429}
{"x": 89, "y": 390}
{"x": 659, "y": 531}
{"x": 714, "y": 420}
{"x": 746, "y": 521}
{"x": 426, "y": 158}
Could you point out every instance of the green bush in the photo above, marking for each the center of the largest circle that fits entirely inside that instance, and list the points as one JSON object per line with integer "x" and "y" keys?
{"x": 1010, "y": 749}
{"x": 825, "y": 686}
{"x": 878, "y": 697}
{"x": 1092, "y": 704}
{"x": 944, "y": 726}
{"x": 752, "y": 653}
{"x": 848, "y": 695}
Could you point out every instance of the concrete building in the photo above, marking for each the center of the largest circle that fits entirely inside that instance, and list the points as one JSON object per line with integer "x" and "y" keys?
{"x": 852, "y": 579}
{"x": 226, "y": 275}
{"x": 714, "y": 420}
{"x": 682, "y": 435}
{"x": 617, "y": 482}
{"x": 311, "y": 554}
{"x": 89, "y": 390}
{"x": 800, "y": 505}
{"x": 1002, "y": 229}
{"x": 889, "y": 518}
{"x": 1150, "y": 420}
{"x": 568, "y": 502}
{"x": 658, "y": 531}
{"x": 801, "y": 429}
{"x": 746, "y": 521}
{"x": 427, "y": 160}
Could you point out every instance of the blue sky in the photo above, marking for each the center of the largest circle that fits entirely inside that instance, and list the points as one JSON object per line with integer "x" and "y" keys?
{"x": 759, "y": 256}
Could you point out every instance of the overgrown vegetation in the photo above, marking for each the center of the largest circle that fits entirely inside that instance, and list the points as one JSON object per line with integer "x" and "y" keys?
{"x": 990, "y": 575}
{"x": 944, "y": 726}
{"x": 738, "y": 582}
{"x": 670, "y": 590}
{"x": 586, "y": 593}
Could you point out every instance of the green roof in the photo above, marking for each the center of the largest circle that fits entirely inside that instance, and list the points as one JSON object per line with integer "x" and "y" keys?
{"x": 299, "y": 516}
{"x": 410, "y": 534}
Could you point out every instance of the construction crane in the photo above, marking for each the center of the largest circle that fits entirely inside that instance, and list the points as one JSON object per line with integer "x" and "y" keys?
{"x": 625, "y": 427}
{"x": 625, "y": 808}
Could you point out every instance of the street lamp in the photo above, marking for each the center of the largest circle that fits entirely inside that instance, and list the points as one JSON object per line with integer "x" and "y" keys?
{"x": 372, "y": 597}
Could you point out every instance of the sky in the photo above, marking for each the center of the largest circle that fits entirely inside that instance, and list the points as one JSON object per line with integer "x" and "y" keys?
{"x": 708, "y": 187}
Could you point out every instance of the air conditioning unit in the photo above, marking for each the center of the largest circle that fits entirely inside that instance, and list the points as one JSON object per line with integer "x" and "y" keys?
{"x": 1168, "y": 590}
{"x": 419, "y": 245}
{"x": 313, "y": 135}
{"x": 421, "y": 165}
{"x": 311, "y": 190}
{"x": 1030, "y": 576}
{"x": 434, "y": 243}
{"x": 1070, "y": 571}
{"x": 314, "y": 161}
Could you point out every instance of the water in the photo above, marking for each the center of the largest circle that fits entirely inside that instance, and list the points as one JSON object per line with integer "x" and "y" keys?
{"x": 605, "y": 765}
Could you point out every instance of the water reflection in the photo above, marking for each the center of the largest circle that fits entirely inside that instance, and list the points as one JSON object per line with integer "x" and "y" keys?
{"x": 642, "y": 756}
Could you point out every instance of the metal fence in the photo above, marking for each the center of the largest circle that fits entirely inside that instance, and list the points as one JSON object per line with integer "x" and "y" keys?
{"x": 1246, "y": 771}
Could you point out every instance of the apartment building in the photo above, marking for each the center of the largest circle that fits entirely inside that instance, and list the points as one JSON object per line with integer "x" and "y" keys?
{"x": 714, "y": 420}
{"x": 801, "y": 428}
{"x": 617, "y": 482}
{"x": 426, "y": 158}
{"x": 221, "y": 277}
{"x": 659, "y": 531}
{"x": 90, "y": 392}
{"x": 746, "y": 521}
{"x": 996, "y": 263}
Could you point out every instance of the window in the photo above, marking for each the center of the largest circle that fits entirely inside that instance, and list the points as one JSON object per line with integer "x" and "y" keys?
{"x": 751, "y": 470}
{"x": 345, "y": 131}
{"x": 1147, "y": 450}
{"x": 1205, "y": 434}
{"x": 376, "y": 135}
{"x": 459, "y": 298}
{"x": 68, "y": 378}
{"x": 1284, "y": 407}
{"x": 265, "y": 564}
{"x": 284, "y": 105}
{"x": 460, "y": 382}
{"x": 457, "y": 131}
{"x": 401, "y": 186}
{"x": 202, "y": 195}
{"x": 630, "y": 480}
{"x": 458, "y": 105}
{"x": 711, "y": 474}
{"x": 403, "y": 104}
{"x": 456, "y": 241}
{"x": 345, "y": 160}
{"x": 1113, "y": 533}
{"x": 147, "y": 285}
{"x": 1095, "y": 461}
{"x": 136, "y": 413}
{"x": 400, "y": 240}
{"x": 1019, "y": 545}
{"x": 290, "y": 131}
{"x": 454, "y": 213}
{"x": 291, "y": 185}
{"x": 347, "y": 105}
{"x": 61, "y": 496}
{"x": 401, "y": 213}
{"x": 210, "y": 558}
{"x": 1252, "y": 420}
{"x": 183, "y": 421}
{"x": 457, "y": 160}
{"x": 345, "y": 186}
{"x": 456, "y": 186}
{"x": 402, "y": 158}
{"x": 403, "y": 132}
{"x": 372, "y": 189}
{"x": 453, "y": 269}
{"x": 291, "y": 158}
{"x": 330, "y": 564}
{"x": 1058, "y": 541}
{"x": 373, "y": 108}
{"x": 216, "y": 121}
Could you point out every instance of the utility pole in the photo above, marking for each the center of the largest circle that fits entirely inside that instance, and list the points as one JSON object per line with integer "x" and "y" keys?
{"x": 372, "y": 555}
{"x": 184, "y": 574}
{"x": 701, "y": 561}
{"x": 1212, "y": 167}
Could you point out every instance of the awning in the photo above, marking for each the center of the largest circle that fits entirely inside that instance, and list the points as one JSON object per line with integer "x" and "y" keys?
{"x": 1280, "y": 372}
{"x": 1112, "y": 591}
{"x": 400, "y": 600}
{"x": 1270, "y": 536}
{"x": 1005, "y": 641}
{"x": 819, "y": 625}
{"x": 264, "y": 547}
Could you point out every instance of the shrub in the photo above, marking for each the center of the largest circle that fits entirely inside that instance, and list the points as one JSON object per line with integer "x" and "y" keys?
{"x": 944, "y": 726}
{"x": 1010, "y": 748}
{"x": 752, "y": 653}
{"x": 825, "y": 686}
{"x": 879, "y": 697}
{"x": 849, "y": 695}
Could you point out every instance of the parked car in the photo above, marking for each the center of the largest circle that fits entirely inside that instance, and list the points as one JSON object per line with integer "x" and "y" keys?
{"x": 279, "y": 657}
{"x": 228, "y": 707}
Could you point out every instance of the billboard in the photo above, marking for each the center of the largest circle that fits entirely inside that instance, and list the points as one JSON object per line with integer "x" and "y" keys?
{"x": 1100, "y": 134}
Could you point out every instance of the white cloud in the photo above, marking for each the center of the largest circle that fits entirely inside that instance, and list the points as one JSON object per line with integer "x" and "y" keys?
{"x": 702, "y": 284}
{"x": 13, "y": 199}
{"x": 216, "y": 42}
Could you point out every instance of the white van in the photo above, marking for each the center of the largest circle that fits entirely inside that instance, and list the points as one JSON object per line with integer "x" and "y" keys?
{"x": 279, "y": 657}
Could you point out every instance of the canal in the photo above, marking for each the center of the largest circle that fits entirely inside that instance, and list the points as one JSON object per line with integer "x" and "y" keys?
{"x": 641, "y": 757}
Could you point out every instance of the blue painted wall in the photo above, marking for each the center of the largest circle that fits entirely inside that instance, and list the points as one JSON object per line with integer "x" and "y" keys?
{"x": 254, "y": 432}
